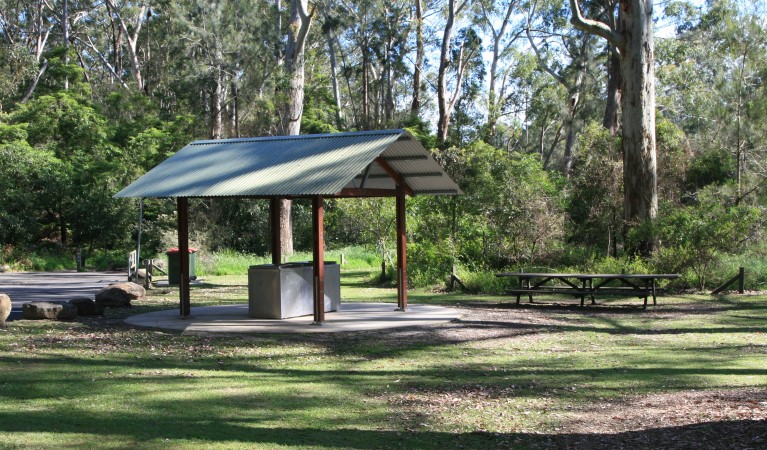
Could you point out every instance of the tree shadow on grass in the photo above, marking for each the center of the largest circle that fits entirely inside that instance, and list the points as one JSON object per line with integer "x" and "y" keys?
{"x": 199, "y": 427}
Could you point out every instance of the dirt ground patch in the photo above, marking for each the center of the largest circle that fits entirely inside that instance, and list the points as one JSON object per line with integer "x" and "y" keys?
{"x": 735, "y": 418}
{"x": 717, "y": 419}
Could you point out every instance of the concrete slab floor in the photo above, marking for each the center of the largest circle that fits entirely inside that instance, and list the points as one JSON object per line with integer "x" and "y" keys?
{"x": 233, "y": 319}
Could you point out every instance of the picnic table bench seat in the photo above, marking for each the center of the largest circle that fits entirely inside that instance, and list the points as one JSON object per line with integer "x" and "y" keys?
{"x": 582, "y": 285}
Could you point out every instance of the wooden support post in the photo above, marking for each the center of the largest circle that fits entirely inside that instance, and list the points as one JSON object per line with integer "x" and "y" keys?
{"x": 401, "y": 252}
{"x": 275, "y": 219}
{"x": 148, "y": 266}
{"x": 183, "y": 253}
{"x": 741, "y": 280}
{"x": 318, "y": 226}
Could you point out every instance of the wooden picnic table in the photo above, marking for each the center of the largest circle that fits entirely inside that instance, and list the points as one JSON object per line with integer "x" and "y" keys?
{"x": 588, "y": 284}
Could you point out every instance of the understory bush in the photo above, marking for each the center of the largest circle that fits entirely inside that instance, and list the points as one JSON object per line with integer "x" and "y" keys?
{"x": 230, "y": 262}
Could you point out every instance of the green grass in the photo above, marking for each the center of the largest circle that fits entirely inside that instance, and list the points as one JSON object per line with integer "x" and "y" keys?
{"x": 229, "y": 262}
{"x": 488, "y": 382}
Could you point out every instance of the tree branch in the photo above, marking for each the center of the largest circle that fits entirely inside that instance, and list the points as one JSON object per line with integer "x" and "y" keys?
{"x": 103, "y": 59}
{"x": 543, "y": 64}
{"x": 33, "y": 86}
{"x": 596, "y": 27}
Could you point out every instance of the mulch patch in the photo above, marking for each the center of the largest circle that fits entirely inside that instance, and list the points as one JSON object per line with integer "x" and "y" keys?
{"x": 710, "y": 419}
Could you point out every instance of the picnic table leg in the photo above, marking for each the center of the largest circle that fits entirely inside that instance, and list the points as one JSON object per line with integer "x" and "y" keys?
{"x": 520, "y": 287}
{"x": 583, "y": 288}
{"x": 653, "y": 292}
{"x": 529, "y": 292}
{"x": 645, "y": 295}
{"x": 591, "y": 289}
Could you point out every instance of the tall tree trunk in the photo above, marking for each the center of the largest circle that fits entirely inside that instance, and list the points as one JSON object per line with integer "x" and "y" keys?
{"x": 444, "y": 100}
{"x": 634, "y": 40}
{"x": 65, "y": 37}
{"x": 638, "y": 104}
{"x": 443, "y": 120}
{"x": 295, "y": 62}
{"x": 388, "y": 84}
{"x": 415, "y": 106}
{"x": 235, "y": 110}
{"x": 132, "y": 39}
{"x": 279, "y": 51}
{"x": 298, "y": 29}
{"x": 611, "y": 120}
{"x": 614, "y": 80}
{"x": 334, "y": 74}
{"x": 216, "y": 102}
{"x": 365, "y": 85}
{"x": 493, "y": 110}
{"x": 116, "y": 46}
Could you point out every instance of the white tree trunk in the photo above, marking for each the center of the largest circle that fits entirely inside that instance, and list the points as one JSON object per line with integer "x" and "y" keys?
{"x": 132, "y": 38}
{"x": 295, "y": 61}
{"x": 415, "y": 106}
{"x": 334, "y": 75}
{"x": 443, "y": 97}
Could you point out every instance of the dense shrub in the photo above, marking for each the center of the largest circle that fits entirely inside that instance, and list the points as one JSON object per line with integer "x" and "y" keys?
{"x": 695, "y": 238}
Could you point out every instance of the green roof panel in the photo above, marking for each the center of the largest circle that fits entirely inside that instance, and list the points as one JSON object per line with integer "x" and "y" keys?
{"x": 303, "y": 165}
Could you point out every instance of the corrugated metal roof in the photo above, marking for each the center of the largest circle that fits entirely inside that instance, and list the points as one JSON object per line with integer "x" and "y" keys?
{"x": 305, "y": 165}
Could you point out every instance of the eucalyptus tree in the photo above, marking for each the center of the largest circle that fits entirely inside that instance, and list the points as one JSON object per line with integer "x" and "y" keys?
{"x": 373, "y": 43}
{"x": 300, "y": 22}
{"x": 633, "y": 38}
{"x": 292, "y": 104}
{"x": 712, "y": 85}
{"x": 450, "y": 61}
{"x": 500, "y": 21}
{"x": 611, "y": 121}
{"x": 566, "y": 57}
{"x": 420, "y": 54}
{"x": 17, "y": 67}
{"x": 129, "y": 17}
{"x": 37, "y": 26}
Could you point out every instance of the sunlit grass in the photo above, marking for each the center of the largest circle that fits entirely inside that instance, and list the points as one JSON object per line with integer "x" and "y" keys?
{"x": 482, "y": 383}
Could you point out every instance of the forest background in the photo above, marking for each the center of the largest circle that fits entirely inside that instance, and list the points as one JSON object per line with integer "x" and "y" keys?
{"x": 519, "y": 106}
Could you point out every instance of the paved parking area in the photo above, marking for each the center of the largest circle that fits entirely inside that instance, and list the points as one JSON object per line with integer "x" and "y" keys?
{"x": 25, "y": 287}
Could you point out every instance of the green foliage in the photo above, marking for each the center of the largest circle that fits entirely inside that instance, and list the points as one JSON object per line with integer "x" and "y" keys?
{"x": 710, "y": 167}
{"x": 372, "y": 219}
{"x": 45, "y": 257}
{"x": 511, "y": 212}
{"x": 227, "y": 262}
{"x": 596, "y": 200}
{"x": 17, "y": 67}
{"x": 108, "y": 260}
{"x": 230, "y": 262}
{"x": 754, "y": 263}
{"x": 429, "y": 262}
{"x": 483, "y": 282}
{"x": 62, "y": 171}
{"x": 28, "y": 177}
{"x": 697, "y": 236}
{"x": 609, "y": 264}
{"x": 673, "y": 159}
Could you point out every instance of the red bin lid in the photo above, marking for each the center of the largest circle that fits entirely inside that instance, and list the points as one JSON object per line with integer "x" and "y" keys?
{"x": 175, "y": 250}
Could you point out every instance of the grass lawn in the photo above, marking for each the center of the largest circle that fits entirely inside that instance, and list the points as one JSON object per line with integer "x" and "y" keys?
{"x": 690, "y": 372}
